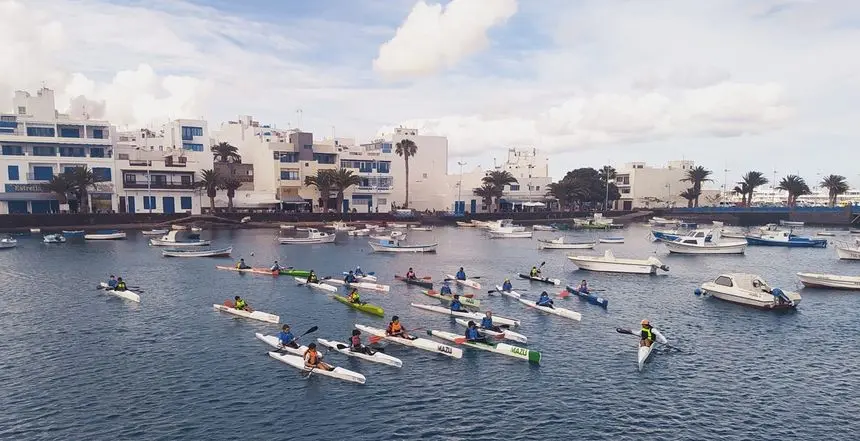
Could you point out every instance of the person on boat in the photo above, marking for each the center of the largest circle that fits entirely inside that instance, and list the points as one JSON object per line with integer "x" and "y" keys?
{"x": 395, "y": 329}
{"x": 112, "y": 282}
{"x": 242, "y": 264}
{"x": 286, "y": 338}
{"x": 445, "y": 290}
{"x": 456, "y": 306}
{"x": 647, "y": 334}
{"x": 353, "y": 297}
{"x": 461, "y": 275}
{"x": 545, "y": 301}
{"x": 350, "y": 278}
{"x": 312, "y": 277}
{"x": 120, "y": 285}
{"x": 276, "y": 267}
{"x": 507, "y": 286}
{"x": 410, "y": 274}
{"x": 487, "y": 322}
{"x": 473, "y": 335}
{"x": 358, "y": 272}
{"x": 356, "y": 346}
{"x": 313, "y": 359}
{"x": 240, "y": 304}
{"x": 535, "y": 272}
{"x": 583, "y": 287}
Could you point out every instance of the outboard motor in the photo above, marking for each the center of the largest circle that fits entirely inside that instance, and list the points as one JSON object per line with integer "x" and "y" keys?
{"x": 781, "y": 296}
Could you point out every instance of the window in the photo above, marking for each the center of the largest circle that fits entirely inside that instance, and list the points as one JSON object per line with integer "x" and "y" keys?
{"x": 381, "y": 201}
{"x": 308, "y": 147}
{"x": 102, "y": 173}
{"x": 40, "y": 131}
{"x": 537, "y": 187}
{"x": 383, "y": 167}
{"x": 289, "y": 175}
{"x": 515, "y": 187}
{"x": 723, "y": 281}
{"x": 70, "y": 132}
{"x": 13, "y": 173}
{"x": 42, "y": 173}
{"x": 386, "y": 147}
{"x": 185, "y": 202}
{"x": 365, "y": 167}
{"x": 22, "y": 110}
{"x": 188, "y": 133}
{"x": 192, "y": 147}
{"x": 424, "y": 175}
{"x": 98, "y": 133}
{"x": 289, "y": 157}
{"x": 149, "y": 203}
{"x": 97, "y": 152}
{"x": 129, "y": 179}
{"x": 185, "y": 179}
{"x": 44, "y": 151}
{"x": 625, "y": 191}
{"x": 69, "y": 170}
{"x": 77, "y": 152}
{"x": 13, "y": 150}
{"x": 325, "y": 158}
{"x": 123, "y": 156}
{"x": 160, "y": 180}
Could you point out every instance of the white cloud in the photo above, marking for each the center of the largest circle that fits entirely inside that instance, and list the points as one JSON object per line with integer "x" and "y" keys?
{"x": 436, "y": 37}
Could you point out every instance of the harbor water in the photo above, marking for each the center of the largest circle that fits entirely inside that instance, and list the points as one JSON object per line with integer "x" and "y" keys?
{"x": 76, "y": 364}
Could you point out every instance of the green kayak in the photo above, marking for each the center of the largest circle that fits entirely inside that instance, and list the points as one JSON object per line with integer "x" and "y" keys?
{"x": 366, "y": 307}
{"x": 295, "y": 272}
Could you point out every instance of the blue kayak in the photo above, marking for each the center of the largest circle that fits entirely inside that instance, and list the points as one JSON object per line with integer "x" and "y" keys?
{"x": 591, "y": 298}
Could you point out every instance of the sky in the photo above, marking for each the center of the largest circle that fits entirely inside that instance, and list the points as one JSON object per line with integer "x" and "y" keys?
{"x": 738, "y": 85}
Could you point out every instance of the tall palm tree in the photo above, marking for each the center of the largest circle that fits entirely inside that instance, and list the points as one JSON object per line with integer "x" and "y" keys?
{"x": 742, "y": 189}
{"x": 487, "y": 193}
{"x": 795, "y": 186}
{"x": 342, "y": 179}
{"x": 210, "y": 181}
{"x": 835, "y": 185}
{"x": 225, "y": 152}
{"x": 406, "y": 148}
{"x": 82, "y": 179}
{"x": 324, "y": 182}
{"x": 690, "y": 194}
{"x": 60, "y": 186}
{"x": 753, "y": 180}
{"x": 231, "y": 185}
{"x": 499, "y": 178}
{"x": 696, "y": 176}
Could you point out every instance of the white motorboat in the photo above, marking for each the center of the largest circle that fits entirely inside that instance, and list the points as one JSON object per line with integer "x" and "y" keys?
{"x": 340, "y": 226}
{"x": 170, "y": 239}
{"x": 466, "y": 224}
{"x": 314, "y": 236}
{"x": 749, "y": 290}
{"x": 8, "y": 242}
{"x": 695, "y": 242}
{"x": 221, "y": 252}
{"x": 812, "y": 280}
{"x": 359, "y": 232}
{"x": 286, "y": 227}
{"x": 847, "y": 251}
{"x": 178, "y": 227}
{"x": 504, "y": 224}
{"x": 53, "y": 238}
{"x": 196, "y": 229}
{"x": 611, "y": 240}
{"x": 659, "y": 221}
{"x": 609, "y": 263}
{"x": 510, "y": 233}
{"x": 420, "y": 228}
{"x": 105, "y": 235}
{"x": 733, "y": 233}
{"x": 394, "y": 246}
{"x": 544, "y": 228}
{"x": 560, "y": 244}
{"x": 394, "y": 235}
{"x": 154, "y": 232}
{"x": 396, "y": 225}
{"x": 787, "y": 223}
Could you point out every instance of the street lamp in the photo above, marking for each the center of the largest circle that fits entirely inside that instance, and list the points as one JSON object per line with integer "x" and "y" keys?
{"x": 460, "y": 186}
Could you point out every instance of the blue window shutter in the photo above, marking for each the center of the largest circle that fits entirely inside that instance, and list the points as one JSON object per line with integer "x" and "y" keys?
{"x": 13, "y": 173}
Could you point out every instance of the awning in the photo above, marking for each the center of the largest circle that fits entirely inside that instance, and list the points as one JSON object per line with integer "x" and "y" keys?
{"x": 15, "y": 196}
{"x": 533, "y": 204}
{"x": 292, "y": 199}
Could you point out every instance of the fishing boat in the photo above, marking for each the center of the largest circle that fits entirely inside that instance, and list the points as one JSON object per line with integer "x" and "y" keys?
{"x": 465, "y": 224}
{"x": 644, "y": 351}
{"x": 787, "y": 223}
{"x": 394, "y": 235}
{"x": 172, "y": 239}
{"x": 469, "y": 315}
{"x": 611, "y": 240}
{"x": 255, "y": 315}
{"x": 340, "y": 226}
{"x": 420, "y": 228}
{"x": 466, "y": 300}
{"x": 507, "y": 334}
{"x": 178, "y": 227}
{"x": 595, "y": 222}
{"x": 560, "y": 244}
{"x": 314, "y": 236}
{"x": 540, "y": 279}
{"x": 696, "y": 242}
{"x": 847, "y": 251}
{"x": 812, "y": 280}
{"x": 53, "y": 238}
{"x": 364, "y": 307}
{"x": 589, "y": 297}
{"x": 73, "y": 233}
{"x": 319, "y": 286}
{"x": 220, "y": 252}
{"x": 675, "y": 234}
{"x": 424, "y": 283}
{"x": 854, "y": 231}
{"x": 397, "y": 225}
{"x": 544, "y": 228}
{"x": 128, "y": 295}
{"x": 749, "y": 290}
{"x": 732, "y": 233}
{"x": 503, "y": 224}
{"x": 609, "y": 263}
{"x": 196, "y": 229}
{"x": 414, "y": 342}
{"x": 555, "y": 310}
{"x": 470, "y": 283}
{"x": 359, "y": 232}
{"x": 510, "y": 233}
{"x": 782, "y": 238}
{"x": 825, "y": 233}
{"x": 662, "y": 221}
{"x": 105, "y": 235}
{"x": 360, "y": 285}
{"x": 394, "y": 246}
{"x": 154, "y": 232}
{"x": 377, "y": 357}
{"x": 338, "y": 372}
{"x": 519, "y": 353}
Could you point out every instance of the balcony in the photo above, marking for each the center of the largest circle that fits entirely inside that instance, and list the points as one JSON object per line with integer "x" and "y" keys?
{"x": 159, "y": 185}
{"x": 40, "y": 178}
{"x": 372, "y": 190}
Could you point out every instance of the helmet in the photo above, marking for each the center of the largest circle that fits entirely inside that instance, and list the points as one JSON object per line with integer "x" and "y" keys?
{"x": 646, "y": 322}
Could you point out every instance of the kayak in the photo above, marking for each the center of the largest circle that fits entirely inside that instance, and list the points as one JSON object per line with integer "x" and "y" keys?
{"x": 320, "y": 286}
{"x": 469, "y": 315}
{"x": 556, "y": 310}
{"x": 265, "y": 271}
{"x": 416, "y": 342}
{"x": 364, "y": 278}
{"x": 466, "y": 301}
{"x": 417, "y": 282}
{"x": 128, "y": 295}
{"x": 506, "y": 334}
{"x": 275, "y": 342}
{"x": 338, "y": 372}
{"x": 365, "y": 307}
{"x": 359, "y": 285}
{"x": 256, "y": 315}
{"x": 645, "y": 351}
{"x": 377, "y": 357}
{"x": 511, "y": 294}
{"x": 467, "y": 282}
{"x": 499, "y": 348}
{"x": 295, "y": 272}
{"x": 593, "y": 299}
{"x": 541, "y": 279}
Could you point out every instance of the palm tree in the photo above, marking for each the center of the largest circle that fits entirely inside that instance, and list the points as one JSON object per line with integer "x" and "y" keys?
{"x": 696, "y": 176}
{"x": 835, "y": 185}
{"x": 324, "y": 182}
{"x": 487, "y": 192}
{"x": 690, "y": 194}
{"x": 225, "y": 152}
{"x": 499, "y": 178}
{"x": 81, "y": 179}
{"x": 342, "y": 179}
{"x": 210, "y": 181}
{"x": 795, "y": 186}
{"x": 753, "y": 180}
{"x": 406, "y": 148}
{"x": 231, "y": 185}
{"x": 60, "y": 186}
{"x": 742, "y": 189}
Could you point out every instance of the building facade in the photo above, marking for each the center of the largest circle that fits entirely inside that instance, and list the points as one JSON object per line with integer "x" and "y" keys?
{"x": 643, "y": 186}
{"x": 530, "y": 167}
{"x": 39, "y": 143}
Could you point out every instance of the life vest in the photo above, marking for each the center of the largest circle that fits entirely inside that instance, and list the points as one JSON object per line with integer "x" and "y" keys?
{"x": 354, "y": 298}
{"x": 456, "y": 305}
{"x": 394, "y": 328}
{"x": 240, "y": 304}
{"x": 471, "y": 334}
{"x": 311, "y": 357}
{"x": 487, "y": 322}
{"x": 313, "y": 278}
{"x": 410, "y": 275}
{"x": 355, "y": 340}
{"x": 120, "y": 286}
{"x": 534, "y": 272}
{"x": 647, "y": 333}
{"x": 507, "y": 286}
{"x": 239, "y": 265}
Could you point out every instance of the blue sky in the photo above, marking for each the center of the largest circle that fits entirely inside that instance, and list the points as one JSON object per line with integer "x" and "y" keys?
{"x": 766, "y": 84}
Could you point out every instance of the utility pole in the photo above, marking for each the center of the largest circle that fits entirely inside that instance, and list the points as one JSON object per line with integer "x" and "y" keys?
{"x": 460, "y": 186}
{"x": 773, "y": 188}
{"x": 606, "y": 199}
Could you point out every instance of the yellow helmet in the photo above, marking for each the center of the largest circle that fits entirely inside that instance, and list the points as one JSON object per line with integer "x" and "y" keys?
{"x": 646, "y": 322}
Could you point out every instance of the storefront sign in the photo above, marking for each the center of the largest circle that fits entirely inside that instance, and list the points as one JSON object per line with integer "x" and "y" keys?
{"x": 24, "y": 188}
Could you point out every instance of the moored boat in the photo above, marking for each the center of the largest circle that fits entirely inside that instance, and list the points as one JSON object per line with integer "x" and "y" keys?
{"x": 53, "y": 238}
{"x": 338, "y": 372}
{"x": 519, "y": 353}
{"x": 154, "y": 232}
{"x": 220, "y": 252}
{"x": 470, "y": 315}
{"x": 787, "y": 223}
{"x": 415, "y": 342}
{"x": 420, "y": 228}
{"x": 394, "y": 246}
{"x": 507, "y": 334}
{"x": 696, "y": 242}
{"x": 749, "y": 290}
{"x": 510, "y": 233}
{"x": 424, "y": 283}
{"x": 611, "y": 240}
{"x": 128, "y": 295}
{"x": 358, "y": 232}
{"x": 560, "y": 244}
{"x": 364, "y": 307}
{"x": 812, "y": 280}
{"x": 544, "y": 228}
{"x": 609, "y": 263}
{"x": 340, "y": 226}
{"x": 105, "y": 235}
{"x": 314, "y": 236}
{"x": 173, "y": 239}
{"x": 781, "y": 238}
{"x": 465, "y": 224}
{"x": 848, "y": 252}
{"x": 377, "y": 357}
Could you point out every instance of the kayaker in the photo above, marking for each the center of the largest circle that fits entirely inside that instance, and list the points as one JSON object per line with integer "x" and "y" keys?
{"x": 545, "y": 301}
{"x": 240, "y": 304}
{"x": 410, "y": 274}
{"x": 275, "y": 267}
{"x": 583, "y": 287}
{"x": 472, "y": 334}
{"x": 112, "y": 282}
{"x": 647, "y": 334}
{"x": 313, "y": 359}
{"x": 353, "y": 297}
{"x": 535, "y": 272}
{"x": 286, "y": 338}
{"x": 461, "y": 275}
{"x": 487, "y": 322}
{"x": 242, "y": 265}
{"x": 356, "y": 346}
{"x": 395, "y": 329}
{"x": 445, "y": 290}
{"x": 350, "y": 278}
{"x": 456, "y": 306}
{"x": 507, "y": 286}
{"x": 312, "y": 277}
{"x": 359, "y": 272}
{"x": 120, "y": 285}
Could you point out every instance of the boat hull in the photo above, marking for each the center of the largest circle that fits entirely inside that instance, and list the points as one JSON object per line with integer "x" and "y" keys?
{"x": 467, "y": 282}
{"x": 793, "y": 243}
{"x": 105, "y": 236}
{"x": 256, "y": 315}
{"x": 431, "y": 248}
{"x": 469, "y": 315}
{"x": 505, "y": 333}
{"x": 550, "y": 245}
{"x": 224, "y": 252}
{"x": 811, "y": 280}
{"x": 366, "y": 307}
{"x": 546, "y": 280}
{"x": 613, "y": 267}
{"x": 419, "y": 343}
{"x": 338, "y": 372}
{"x": 846, "y": 253}
{"x": 128, "y": 295}
{"x": 741, "y": 297}
{"x": 708, "y": 248}
{"x": 590, "y": 298}
{"x": 377, "y": 357}
{"x": 417, "y": 282}
{"x": 561, "y": 312}
{"x": 519, "y": 353}
{"x": 169, "y": 243}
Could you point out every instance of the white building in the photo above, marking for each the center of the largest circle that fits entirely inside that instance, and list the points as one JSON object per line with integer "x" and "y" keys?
{"x": 428, "y": 171}
{"x": 642, "y": 186}
{"x": 373, "y": 163}
{"x": 157, "y": 170}
{"x": 38, "y": 142}
{"x": 531, "y": 169}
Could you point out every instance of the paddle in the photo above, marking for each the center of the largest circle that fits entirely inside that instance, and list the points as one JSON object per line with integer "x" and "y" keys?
{"x": 374, "y": 339}
{"x": 627, "y": 331}
{"x": 343, "y": 346}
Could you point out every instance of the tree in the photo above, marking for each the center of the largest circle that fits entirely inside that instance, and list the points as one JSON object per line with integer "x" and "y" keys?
{"x": 488, "y": 192}
{"x": 231, "y": 185}
{"x": 795, "y": 186}
{"x": 835, "y": 185}
{"x": 406, "y": 148}
{"x": 60, "y": 186}
{"x": 696, "y": 176}
{"x": 499, "y": 179}
{"x": 225, "y": 152}
{"x": 742, "y": 189}
{"x": 563, "y": 192}
{"x": 324, "y": 182}
{"x": 607, "y": 175}
{"x": 690, "y": 194}
{"x": 82, "y": 179}
{"x": 342, "y": 179}
{"x": 753, "y": 180}
{"x": 210, "y": 181}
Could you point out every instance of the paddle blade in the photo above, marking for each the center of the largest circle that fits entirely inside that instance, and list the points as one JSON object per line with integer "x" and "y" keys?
{"x": 624, "y": 331}
{"x": 460, "y": 340}
{"x": 312, "y": 329}
{"x": 491, "y": 291}
{"x": 374, "y": 339}
{"x": 229, "y": 304}
{"x": 427, "y": 278}
{"x": 499, "y": 336}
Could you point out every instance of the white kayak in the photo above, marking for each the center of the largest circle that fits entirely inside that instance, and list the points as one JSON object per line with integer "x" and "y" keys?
{"x": 338, "y": 372}
{"x": 556, "y": 310}
{"x": 320, "y": 286}
{"x": 499, "y": 348}
{"x": 256, "y": 315}
{"x": 469, "y": 315}
{"x": 506, "y": 334}
{"x": 359, "y": 285}
{"x": 511, "y": 294}
{"x": 417, "y": 342}
{"x": 645, "y": 351}
{"x": 377, "y": 357}
{"x": 128, "y": 295}
{"x": 364, "y": 278}
{"x": 467, "y": 282}
{"x": 275, "y": 342}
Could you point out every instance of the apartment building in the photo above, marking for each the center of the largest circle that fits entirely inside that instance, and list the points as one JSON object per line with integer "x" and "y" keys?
{"x": 644, "y": 186}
